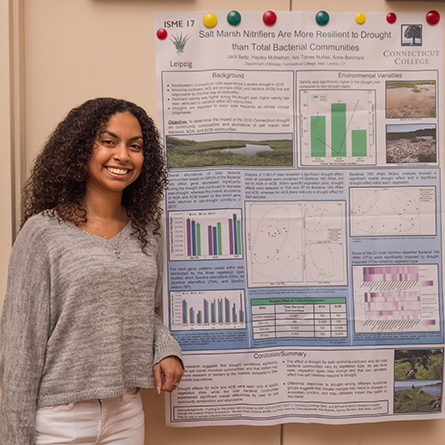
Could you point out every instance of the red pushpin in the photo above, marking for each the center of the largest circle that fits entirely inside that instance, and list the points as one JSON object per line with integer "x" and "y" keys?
{"x": 162, "y": 34}
{"x": 391, "y": 17}
{"x": 269, "y": 18}
{"x": 433, "y": 17}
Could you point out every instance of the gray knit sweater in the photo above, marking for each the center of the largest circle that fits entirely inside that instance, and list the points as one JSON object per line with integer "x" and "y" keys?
{"x": 79, "y": 320}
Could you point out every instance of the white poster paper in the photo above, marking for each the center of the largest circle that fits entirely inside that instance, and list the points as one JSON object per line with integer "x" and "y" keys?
{"x": 303, "y": 216}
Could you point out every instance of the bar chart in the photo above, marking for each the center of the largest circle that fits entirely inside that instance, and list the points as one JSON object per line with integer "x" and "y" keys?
{"x": 337, "y": 127}
{"x": 396, "y": 298}
{"x": 212, "y": 234}
{"x": 193, "y": 310}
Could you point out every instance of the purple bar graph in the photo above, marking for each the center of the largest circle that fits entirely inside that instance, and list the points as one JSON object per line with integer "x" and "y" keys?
{"x": 241, "y": 312}
{"x": 189, "y": 237}
{"x": 210, "y": 240}
{"x": 184, "y": 312}
{"x": 230, "y": 237}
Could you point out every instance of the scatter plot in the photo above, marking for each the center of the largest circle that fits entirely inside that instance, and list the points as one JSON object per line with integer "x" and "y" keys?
{"x": 393, "y": 211}
{"x": 275, "y": 244}
{"x": 324, "y": 262}
{"x": 292, "y": 244}
{"x": 323, "y": 221}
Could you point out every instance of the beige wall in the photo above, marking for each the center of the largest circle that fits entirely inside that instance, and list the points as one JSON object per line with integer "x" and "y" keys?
{"x": 55, "y": 54}
{"x": 8, "y": 139}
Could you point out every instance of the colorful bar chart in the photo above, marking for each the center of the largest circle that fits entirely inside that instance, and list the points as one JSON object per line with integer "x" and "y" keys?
{"x": 213, "y": 234}
{"x": 337, "y": 127}
{"x": 208, "y": 310}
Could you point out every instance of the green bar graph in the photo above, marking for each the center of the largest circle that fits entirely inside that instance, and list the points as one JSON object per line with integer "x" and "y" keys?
{"x": 337, "y": 127}
{"x": 318, "y": 136}
{"x": 338, "y": 131}
{"x": 358, "y": 143}
{"x": 198, "y": 239}
{"x": 219, "y": 237}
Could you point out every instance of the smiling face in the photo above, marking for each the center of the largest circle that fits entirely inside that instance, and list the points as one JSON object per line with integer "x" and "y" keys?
{"x": 117, "y": 156}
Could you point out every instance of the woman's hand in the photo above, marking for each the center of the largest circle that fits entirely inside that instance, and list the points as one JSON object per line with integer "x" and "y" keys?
{"x": 168, "y": 373}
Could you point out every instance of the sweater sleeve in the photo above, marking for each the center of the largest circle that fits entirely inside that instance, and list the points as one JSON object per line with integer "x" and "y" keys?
{"x": 164, "y": 344}
{"x": 24, "y": 335}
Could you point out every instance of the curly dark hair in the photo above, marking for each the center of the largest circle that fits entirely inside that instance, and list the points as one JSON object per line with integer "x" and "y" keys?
{"x": 57, "y": 183}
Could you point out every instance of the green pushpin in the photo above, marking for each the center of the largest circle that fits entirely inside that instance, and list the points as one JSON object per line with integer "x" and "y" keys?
{"x": 322, "y": 18}
{"x": 234, "y": 17}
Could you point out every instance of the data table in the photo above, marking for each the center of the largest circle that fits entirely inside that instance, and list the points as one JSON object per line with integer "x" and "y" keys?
{"x": 299, "y": 317}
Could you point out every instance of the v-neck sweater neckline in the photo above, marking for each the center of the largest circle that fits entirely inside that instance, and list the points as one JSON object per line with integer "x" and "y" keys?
{"x": 113, "y": 244}
{"x": 117, "y": 238}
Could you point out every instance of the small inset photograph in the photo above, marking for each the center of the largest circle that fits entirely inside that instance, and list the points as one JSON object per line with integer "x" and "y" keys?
{"x": 420, "y": 396}
{"x": 410, "y": 98}
{"x": 424, "y": 364}
{"x": 411, "y": 143}
{"x": 204, "y": 150}
{"x": 418, "y": 376}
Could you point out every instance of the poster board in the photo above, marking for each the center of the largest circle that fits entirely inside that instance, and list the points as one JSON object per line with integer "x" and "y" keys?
{"x": 303, "y": 216}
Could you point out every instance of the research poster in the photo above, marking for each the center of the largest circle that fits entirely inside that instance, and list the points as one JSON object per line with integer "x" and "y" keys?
{"x": 303, "y": 215}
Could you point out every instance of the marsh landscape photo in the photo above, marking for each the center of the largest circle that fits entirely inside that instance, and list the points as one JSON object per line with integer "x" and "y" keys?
{"x": 418, "y": 376}
{"x": 420, "y": 396}
{"x": 202, "y": 150}
{"x": 415, "y": 98}
{"x": 423, "y": 364}
{"x": 411, "y": 143}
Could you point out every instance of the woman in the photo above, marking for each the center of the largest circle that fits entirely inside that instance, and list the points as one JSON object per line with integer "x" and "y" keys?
{"x": 80, "y": 329}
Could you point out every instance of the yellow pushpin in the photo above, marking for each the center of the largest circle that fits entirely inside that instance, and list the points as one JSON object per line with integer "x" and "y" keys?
{"x": 360, "y": 18}
{"x": 210, "y": 20}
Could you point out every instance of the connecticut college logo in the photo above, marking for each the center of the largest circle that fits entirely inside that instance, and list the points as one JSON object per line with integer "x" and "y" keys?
{"x": 411, "y": 35}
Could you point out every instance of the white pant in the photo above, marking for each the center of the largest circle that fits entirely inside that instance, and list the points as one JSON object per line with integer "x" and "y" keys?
{"x": 119, "y": 420}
